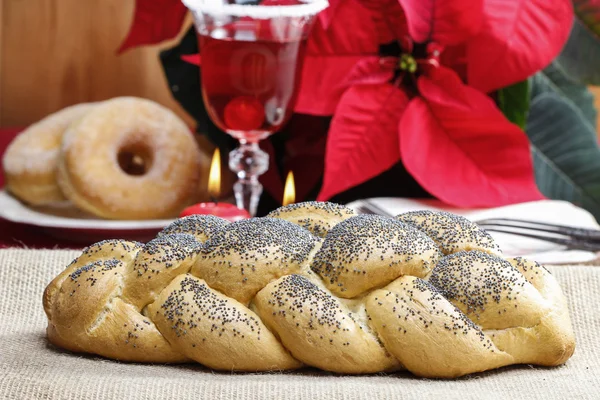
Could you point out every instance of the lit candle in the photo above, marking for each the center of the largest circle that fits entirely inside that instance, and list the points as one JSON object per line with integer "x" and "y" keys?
{"x": 289, "y": 192}
{"x": 224, "y": 210}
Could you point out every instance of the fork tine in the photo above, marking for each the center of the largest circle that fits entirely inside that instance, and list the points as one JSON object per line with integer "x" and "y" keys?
{"x": 570, "y": 243}
{"x": 376, "y": 209}
{"x": 366, "y": 207}
{"x": 362, "y": 209}
{"x": 489, "y": 225}
{"x": 578, "y": 233}
{"x": 573, "y": 238}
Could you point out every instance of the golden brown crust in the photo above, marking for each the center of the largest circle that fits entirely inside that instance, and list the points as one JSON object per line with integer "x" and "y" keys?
{"x": 216, "y": 330}
{"x": 430, "y": 336}
{"x": 105, "y": 250}
{"x": 551, "y": 341}
{"x": 86, "y": 312}
{"x": 319, "y": 330}
{"x": 451, "y": 232}
{"x": 368, "y": 251}
{"x": 244, "y": 256}
{"x": 317, "y": 217}
{"x": 156, "y": 265}
{"x": 488, "y": 289}
{"x": 379, "y": 297}
{"x": 202, "y": 227}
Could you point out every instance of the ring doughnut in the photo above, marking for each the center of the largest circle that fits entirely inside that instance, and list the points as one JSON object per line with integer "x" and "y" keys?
{"x": 130, "y": 158}
{"x": 31, "y": 160}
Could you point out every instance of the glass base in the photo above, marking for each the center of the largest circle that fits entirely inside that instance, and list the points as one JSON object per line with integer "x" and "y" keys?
{"x": 248, "y": 162}
{"x": 250, "y": 136}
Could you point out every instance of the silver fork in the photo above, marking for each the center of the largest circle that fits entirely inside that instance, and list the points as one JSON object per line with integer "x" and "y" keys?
{"x": 569, "y": 236}
{"x": 367, "y": 207}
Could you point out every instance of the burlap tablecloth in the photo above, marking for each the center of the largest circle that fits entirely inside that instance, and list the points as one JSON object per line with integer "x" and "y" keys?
{"x": 30, "y": 368}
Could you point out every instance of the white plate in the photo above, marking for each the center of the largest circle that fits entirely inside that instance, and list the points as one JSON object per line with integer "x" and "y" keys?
{"x": 66, "y": 222}
{"x": 550, "y": 211}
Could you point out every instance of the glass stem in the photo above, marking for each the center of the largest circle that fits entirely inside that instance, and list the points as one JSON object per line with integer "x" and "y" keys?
{"x": 248, "y": 162}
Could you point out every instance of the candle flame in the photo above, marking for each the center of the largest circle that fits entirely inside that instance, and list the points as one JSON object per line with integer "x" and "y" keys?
{"x": 214, "y": 176}
{"x": 289, "y": 193}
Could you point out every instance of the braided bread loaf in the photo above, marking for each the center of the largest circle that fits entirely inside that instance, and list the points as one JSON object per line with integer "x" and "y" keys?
{"x": 425, "y": 291}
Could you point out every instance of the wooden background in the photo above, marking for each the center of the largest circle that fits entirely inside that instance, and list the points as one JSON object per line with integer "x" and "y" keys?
{"x": 54, "y": 53}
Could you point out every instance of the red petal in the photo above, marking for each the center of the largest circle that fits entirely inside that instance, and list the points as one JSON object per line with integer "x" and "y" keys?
{"x": 519, "y": 37}
{"x": 153, "y": 22}
{"x": 323, "y": 83}
{"x": 389, "y": 18}
{"x": 331, "y": 54}
{"x": 369, "y": 71}
{"x": 460, "y": 148}
{"x": 327, "y": 15}
{"x": 448, "y": 22}
{"x": 363, "y": 138}
{"x": 351, "y": 32}
{"x": 455, "y": 58}
{"x": 374, "y": 4}
{"x": 193, "y": 59}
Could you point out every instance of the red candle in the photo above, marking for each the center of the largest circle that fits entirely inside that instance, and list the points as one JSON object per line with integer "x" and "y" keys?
{"x": 226, "y": 211}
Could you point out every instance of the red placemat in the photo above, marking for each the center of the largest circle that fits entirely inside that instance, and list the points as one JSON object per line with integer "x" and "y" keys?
{"x": 17, "y": 235}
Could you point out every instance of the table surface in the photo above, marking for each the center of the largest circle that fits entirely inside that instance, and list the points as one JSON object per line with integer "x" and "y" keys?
{"x": 31, "y": 368}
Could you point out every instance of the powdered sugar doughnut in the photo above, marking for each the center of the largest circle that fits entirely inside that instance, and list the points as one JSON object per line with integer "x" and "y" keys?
{"x": 31, "y": 159}
{"x": 130, "y": 158}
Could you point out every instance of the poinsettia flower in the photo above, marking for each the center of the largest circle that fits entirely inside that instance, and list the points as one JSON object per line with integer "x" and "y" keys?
{"x": 428, "y": 106}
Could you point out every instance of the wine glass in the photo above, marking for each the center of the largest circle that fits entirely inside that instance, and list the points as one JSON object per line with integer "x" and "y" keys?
{"x": 251, "y": 63}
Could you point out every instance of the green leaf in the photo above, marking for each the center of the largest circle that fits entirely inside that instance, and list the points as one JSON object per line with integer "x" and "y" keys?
{"x": 588, "y": 11}
{"x": 514, "y": 102}
{"x": 553, "y": 79}
{"x": 580, "y": 57}
{"x": 565, "y": 152}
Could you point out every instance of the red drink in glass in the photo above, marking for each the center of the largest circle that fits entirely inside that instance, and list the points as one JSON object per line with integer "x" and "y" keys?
{"x": 250, "y": 86}
{"x": 252, "y": 53}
